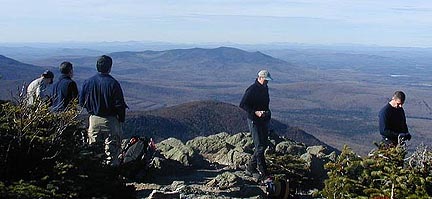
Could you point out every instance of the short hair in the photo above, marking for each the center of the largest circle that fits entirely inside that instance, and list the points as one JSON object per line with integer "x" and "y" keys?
{"x": 399, "y": 95}
{"x": 66, "y": 67}
{"x": 104, "y": 64}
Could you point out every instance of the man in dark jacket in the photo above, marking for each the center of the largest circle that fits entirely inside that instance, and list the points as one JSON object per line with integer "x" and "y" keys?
{"x": 255, "y": 102}
{"x": 102, "y": 96}
{"x": 392, "y": 120}
{"x": 65, "y": 89}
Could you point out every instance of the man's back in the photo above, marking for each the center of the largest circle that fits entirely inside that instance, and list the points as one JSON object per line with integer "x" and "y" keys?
{"x": 102, "y": 96}
{"x": 64, "y": 91}
{"x": 36, "y": 89}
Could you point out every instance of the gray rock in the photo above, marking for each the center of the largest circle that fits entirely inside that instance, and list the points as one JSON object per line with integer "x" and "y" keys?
{"x": 289, "y": 147}
{"x": 234, "y": 157}
{"x": 174, "y": 149}
{"x": 210, "y": 144}
{"x": 316, "y": 150}
{"x": 155, "y": 194}
{"x": 242, "y": 140}
{"x": 224, "y": 181}
{"x": 223, "y": 148}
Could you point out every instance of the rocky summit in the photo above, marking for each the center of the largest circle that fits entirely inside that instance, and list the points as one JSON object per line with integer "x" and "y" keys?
{"x": 213, "y": 167}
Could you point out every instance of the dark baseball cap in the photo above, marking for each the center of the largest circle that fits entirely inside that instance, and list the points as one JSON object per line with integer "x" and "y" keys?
{"x": 48, "y": 74}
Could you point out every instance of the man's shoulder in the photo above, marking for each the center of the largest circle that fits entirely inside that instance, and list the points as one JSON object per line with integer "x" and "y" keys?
{"x": 101, "y": 79}
{"x": 93, "y": 78}
{"x": 252, "y": 86}
{"x": 385, "y": 109}
{"x": 36, "y": 81}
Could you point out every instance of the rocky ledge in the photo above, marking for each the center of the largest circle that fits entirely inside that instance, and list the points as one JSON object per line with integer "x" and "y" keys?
{"x": 213, "y": 167}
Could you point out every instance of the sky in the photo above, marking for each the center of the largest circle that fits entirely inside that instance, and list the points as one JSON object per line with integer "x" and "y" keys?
{"x": 405, "y": 23}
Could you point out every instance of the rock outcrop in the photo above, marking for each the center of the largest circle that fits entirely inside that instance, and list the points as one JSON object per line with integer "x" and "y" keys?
{"x": 212, "y": 167}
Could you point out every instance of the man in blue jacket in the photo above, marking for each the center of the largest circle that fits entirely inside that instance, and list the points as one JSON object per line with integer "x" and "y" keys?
{"x": 102, "y": 96}
{"x": 392, "y": 120}
{"x": 255, "y": 102}
{"x": 65, "y": 89}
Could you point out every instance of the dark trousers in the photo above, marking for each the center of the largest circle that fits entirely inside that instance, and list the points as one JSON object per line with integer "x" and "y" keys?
{"x": 259, "y": 133}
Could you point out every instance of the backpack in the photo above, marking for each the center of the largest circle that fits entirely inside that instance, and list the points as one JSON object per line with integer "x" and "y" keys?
{"x": 277, "y": 189}
{"x": 138, "y": 149}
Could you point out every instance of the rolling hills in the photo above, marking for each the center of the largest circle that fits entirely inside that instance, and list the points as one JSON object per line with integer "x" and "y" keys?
{"x": 11, "y": 69}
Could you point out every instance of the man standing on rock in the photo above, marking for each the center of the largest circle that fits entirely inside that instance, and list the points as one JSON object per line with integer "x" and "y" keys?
{"x": 102, "y": 96}
{"x": 255, "y": 102}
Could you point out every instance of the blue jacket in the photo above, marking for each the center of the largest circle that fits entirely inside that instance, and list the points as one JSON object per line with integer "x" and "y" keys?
{"x": 392, "y": 122}
{"x": 102, "y": 95}
{"x": 64, "y": 91}
{"x": 256, "y": 98}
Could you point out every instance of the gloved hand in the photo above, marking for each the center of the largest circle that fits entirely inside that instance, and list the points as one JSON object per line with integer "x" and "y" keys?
{"x": 405, "y": 136}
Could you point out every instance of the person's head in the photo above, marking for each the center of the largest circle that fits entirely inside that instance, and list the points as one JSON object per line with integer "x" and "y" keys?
{"x": 398, "y": 99}
{"x": 263, "y": 77}
{"x": 48, "y": 76}
{"x": 66, "y": 68}
{"x": 104, "y": 64}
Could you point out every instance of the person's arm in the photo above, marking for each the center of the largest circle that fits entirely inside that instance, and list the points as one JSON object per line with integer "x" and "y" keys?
{"x": 82, "y": 96}
{"x": 406, "y": 134}
{"x": 43, "y": 91}
{"x": 73, "y": 88}
{"x": 405, "y": 127}
{"x": 383, "y": 126}
{"x": 71, "y": 93}
{"x": 119, "y": 103}
{"x": 39, "y": 91}
{"x": 245, "y": 103}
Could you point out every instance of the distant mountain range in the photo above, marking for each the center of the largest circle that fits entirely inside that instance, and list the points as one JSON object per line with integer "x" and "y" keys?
{"x": 203, "y": 118}
{"x": 14, "y": 75}
{"x": 11, "y": 69}
{"x": 199, "y": 64}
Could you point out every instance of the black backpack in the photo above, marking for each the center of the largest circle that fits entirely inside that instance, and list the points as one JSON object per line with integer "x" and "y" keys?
{"x": 277, "y": 189}
{"x": 137, "y": 149}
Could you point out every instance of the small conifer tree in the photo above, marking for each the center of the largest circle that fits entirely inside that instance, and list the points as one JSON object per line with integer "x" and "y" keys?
{"x": 385, "y": 173}
{"x": 43, "y": 155}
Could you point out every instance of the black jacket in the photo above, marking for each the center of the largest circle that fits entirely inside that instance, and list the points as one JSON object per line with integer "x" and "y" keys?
{"x": 392, "y": 122}
{"x": 256, "y": 98}
{"x": 64, "y": 91}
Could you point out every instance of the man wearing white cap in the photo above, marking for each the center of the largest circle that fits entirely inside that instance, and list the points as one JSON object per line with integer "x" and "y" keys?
{"x": 255, "y": 102}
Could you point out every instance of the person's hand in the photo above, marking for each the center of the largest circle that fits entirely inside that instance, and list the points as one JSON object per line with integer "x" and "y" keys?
{"x": 259, "y": 113}
{"x": 405, "y": 136}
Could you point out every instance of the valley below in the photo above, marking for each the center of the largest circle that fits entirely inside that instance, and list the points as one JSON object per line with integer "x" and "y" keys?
{"x": 334, "y": 95}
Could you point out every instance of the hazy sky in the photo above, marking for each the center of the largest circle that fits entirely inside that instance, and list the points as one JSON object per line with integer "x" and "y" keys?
{"x": 376, "y": 22}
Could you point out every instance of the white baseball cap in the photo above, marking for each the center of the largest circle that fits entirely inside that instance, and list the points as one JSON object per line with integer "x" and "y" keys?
{"x": 265, "y": 74}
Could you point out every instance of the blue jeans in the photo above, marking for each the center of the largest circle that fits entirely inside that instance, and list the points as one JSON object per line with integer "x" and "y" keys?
{"x": 259, "y": 133}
